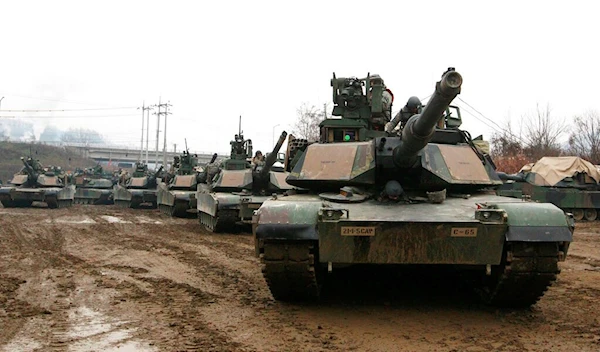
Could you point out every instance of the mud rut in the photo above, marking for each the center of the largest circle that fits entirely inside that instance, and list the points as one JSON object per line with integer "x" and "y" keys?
{"x": 100, "y": 278}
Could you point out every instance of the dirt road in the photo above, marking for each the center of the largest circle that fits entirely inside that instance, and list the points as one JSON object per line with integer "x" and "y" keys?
{"x": 98, "y": 278}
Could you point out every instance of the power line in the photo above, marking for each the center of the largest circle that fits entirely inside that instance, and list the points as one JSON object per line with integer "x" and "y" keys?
{"x": 57, "y": 100}
{"x": 64, "y": 110}
{"x": 62, "y": 117}
{"x": 482, "y": 115}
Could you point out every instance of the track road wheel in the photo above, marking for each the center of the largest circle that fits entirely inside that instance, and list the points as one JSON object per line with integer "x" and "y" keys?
{"x": 578, "y": 214}
{"x": 52, "y": 202}
{"x": 291, "y": 270}
{"x": 590, "y": 214}
{"x": 8, "y": 203}
{"x": 526, "y": 272}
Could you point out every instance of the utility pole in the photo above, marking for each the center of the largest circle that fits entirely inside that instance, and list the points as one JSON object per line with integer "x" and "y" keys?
{"x": 157, "y": 134}
{"x": 161, "y": 107}
{"x": 147, "y": 131}
{"x": 144, "y": 109}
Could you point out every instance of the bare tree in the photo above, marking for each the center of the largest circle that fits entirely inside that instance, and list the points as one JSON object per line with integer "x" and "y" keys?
{"x": 584, "y": 140}
{"x": 538, "y": 135}
{"x": 542, "y": 134}
{"x": 506, "y": 142}
{"x": 308, "y": 118}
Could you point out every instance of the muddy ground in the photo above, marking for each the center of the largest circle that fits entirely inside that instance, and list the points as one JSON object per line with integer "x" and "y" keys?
{"x": 98, "y": 278}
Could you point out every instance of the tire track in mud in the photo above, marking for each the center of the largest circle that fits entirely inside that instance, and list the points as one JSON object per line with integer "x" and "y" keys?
{"x": 244, "y": 308}
{"x": 180, "y": 288}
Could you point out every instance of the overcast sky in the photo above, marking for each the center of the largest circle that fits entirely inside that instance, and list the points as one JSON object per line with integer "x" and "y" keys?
{"x": 217, "y": 60}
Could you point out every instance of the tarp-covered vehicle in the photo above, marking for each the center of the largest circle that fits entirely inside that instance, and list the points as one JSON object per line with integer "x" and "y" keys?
{"x": 571, "y": 183}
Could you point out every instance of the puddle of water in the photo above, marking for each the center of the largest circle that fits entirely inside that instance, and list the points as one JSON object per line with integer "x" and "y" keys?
{"x": 73, "y": 220}
{"x": 114, "y": 219}
{"x": 21, "y": 344}
{"x": 93, "y": 331}
{"x": 147, "y": 220}
{"x": 10, "y": 213}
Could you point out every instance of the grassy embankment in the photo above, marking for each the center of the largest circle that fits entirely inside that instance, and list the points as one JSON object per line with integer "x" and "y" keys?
{"x": 65, "y": 157}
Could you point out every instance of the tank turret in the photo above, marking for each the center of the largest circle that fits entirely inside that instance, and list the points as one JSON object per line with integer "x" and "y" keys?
{"x": 429, "y": 154}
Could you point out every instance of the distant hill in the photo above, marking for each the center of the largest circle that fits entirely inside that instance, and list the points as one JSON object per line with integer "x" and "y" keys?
{"x": 65, "y": 157}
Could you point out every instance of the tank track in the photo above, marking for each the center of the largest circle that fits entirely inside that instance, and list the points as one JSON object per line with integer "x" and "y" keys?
{"x": 54, "y": 203}
{"x": 225, "y": 220}
{"x": 178, "y": 210}
{"x": 122, "y": 203}
{"x": 290, "y": 272}
{"x": 526, "y": 272}
{"x": 84, "y": 201}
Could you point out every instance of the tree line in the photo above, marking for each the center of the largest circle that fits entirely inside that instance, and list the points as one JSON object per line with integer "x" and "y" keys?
{"x": 539, "y": 134}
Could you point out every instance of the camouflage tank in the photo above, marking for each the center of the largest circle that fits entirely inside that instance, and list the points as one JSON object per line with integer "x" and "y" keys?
{"x": 570, "y": 183}
{"x": 235, "y": 194}
{"x": 93, "y": 186}
{"x": 417, "y": 198}
{"x": 34, "y": 184}
{"x": 178, "y": 195}
{"x": 140, "y": 188}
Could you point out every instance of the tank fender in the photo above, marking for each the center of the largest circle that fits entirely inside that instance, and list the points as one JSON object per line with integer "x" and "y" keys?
{"x": 288, "y": 220}
{"x": 51, "y": 191}
{"x": 537, "y": 222}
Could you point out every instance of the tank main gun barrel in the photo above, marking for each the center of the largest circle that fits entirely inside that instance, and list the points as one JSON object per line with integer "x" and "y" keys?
{"x": 158, "y": 171}
{"x": 29, "y": 169}
{"x": 214, "y": 157}
{"x": 508, "y": 177}
{"x": 420, "y": 128}
{"x": 272, "y": 157}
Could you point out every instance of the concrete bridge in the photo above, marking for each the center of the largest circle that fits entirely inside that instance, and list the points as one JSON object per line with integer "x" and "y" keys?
{"x": 123, "y": 156}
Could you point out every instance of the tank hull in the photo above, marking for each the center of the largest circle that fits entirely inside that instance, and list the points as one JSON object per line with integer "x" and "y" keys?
{"x": 134, "y": 198}
{"x": 179, "y": 203}
{"x": 300, "y": 237}
{"x": 219, "y": 211}
{"x": 54, "y": 197}
{"x": 584, "y": 205}
{"x": 95, "y": 196}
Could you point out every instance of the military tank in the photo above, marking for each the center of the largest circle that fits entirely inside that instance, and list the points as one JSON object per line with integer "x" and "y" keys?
{"x": 93, "y": 186}
{"x": 139, "y": 189}
{"x": 569, "y": 182}
{"x": 178, "y": 195}
{"x": 235, "y": 194}
{"x": 415, "y": 198}
{"x": 34, "y": 184}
